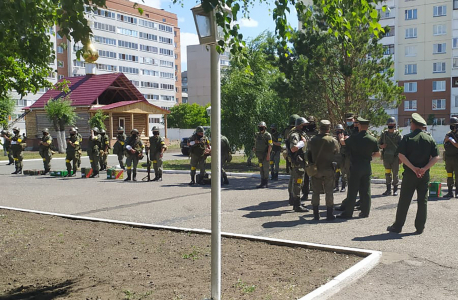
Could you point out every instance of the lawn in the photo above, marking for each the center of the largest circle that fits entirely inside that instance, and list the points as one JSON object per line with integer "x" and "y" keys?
{"x": 32, "y": 155}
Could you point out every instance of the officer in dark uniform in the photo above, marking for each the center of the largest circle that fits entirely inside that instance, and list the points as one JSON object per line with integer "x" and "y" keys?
{"x": 118, "y": 147}
{"x": 275, "y": 153}
{"x": 6, "y": 135}
{"x": 73, "y": 146}
{"x": 339, "y": 162}
{"x": 418, "y": 152}
{"x": 134, "y": 153}
{"x": 451, "y": 157}
{"x": 93, "y": 151}
{"x": 388, "y": 142}
{"x": 105, "y": 142}
{"x": 45, "y": 150}
{"x": 292, "y": 122}
{"x": 361, "y": 147}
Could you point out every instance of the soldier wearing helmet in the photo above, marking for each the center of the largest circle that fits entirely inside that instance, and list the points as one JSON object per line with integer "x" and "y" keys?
{"x": 262, "y": 149}
{"x": 17, "y": 146}
{"x": 134, "y": 153}
{"x": 311, "y": 131}
{"x": 297, "y": 143}
{"x": 6, "y": 135}
{"x": 339, "y": 161}
{"x": 118, "y": 147}
{"x": 79, "y": 153}
{"x": 156, "y": 149}
{"x": 73, "y": 147}
{"x": 105, "y": 142}
{"x": 292, "y": 123}
{"x": 275, "y": 153}
{"x": 451, "y": 157}
{"x": 389, "y": 141}
{"x": 45, "y": 150}
{"x": 199, "y": 149}
{"x": 93, "y": 151}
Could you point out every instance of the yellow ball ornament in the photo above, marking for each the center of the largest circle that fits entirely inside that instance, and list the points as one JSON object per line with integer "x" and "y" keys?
{"x": 90, "y": 54}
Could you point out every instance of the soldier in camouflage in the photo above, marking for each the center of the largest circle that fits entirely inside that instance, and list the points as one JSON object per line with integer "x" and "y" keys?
{"x": 45, "y": 150}
{"x": 451, "y": 157}
{"x": 17, "y": 146}
{"x": 226, "y": 157}
{"x": 105, "y": 142}
{"x": 389, "y": 142}
{"x": 73, "y": 146}
{"x": 157, "y": 148}
{"x": 275, "y": 153}
{"x": 339, "y": 161}
{"x": 134, "y": 152}
{"x": 93, "y": 151}
{"x": 6, "y": 135}
{"x": 292, "y": 121}
{"x": 118, "y": 147}
{"x": 80, "y": 151}
{"x": 262, "y": 149}
{"x": 199, "y": 148}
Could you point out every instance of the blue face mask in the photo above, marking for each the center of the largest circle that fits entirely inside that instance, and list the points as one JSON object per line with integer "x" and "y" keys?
{"x": 349, "y": 123}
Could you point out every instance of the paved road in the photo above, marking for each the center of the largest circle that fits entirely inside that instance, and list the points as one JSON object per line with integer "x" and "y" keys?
{"x": 413, "y": 266}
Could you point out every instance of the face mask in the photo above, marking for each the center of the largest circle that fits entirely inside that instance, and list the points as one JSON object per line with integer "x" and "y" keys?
{"x": 273, "y": 130}
{"x": 261, "y": 129}
{"x": 134, "y": 135}
{"x": 339, "y": 132}
{"x": 349, "y": 123}
{"x": 72, "y": 134}
{"x": 311, "y": 127}
{"x": 390, "y": 126}
{"x": 155, "y": 133}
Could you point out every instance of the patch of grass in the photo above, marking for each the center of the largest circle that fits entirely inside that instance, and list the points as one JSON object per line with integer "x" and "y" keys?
{"x": 245, "y": 288}
{"x": 437, "y": 172}
{"x": 194, "y": 255}
{"x": 32, "y": 155}
{"x": 133, "y": 295}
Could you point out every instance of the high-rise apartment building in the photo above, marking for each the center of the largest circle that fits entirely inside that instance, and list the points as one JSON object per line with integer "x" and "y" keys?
{"x": 145, "y": 47}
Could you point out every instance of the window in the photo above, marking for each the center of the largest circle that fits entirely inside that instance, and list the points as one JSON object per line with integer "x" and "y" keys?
{"x": 148, "y": 48}
{"x": 390, "y": 32}
{"x": 60, "y": 64}
{"x": 147, "y": 60}
{"x": 455, "y": 62}
{"x": 439, "y": 11}
{"x": 122, "y": 122}
{"x": 128, "y": 57}
{"x": 148, "y": 36}
{"x": 125, "y": 31}
{"x": 43, "y": 90}
{"x": 151, "y": 85}
{"x": 439, "y": 121}
{"x": 166, "y": 63}
{"x": 455, "y": 42}
{"x": 127, "y": 19}
{"x": 135, "y": 82}
{"x": 166, "y": 52}
{"x": 410, "y": 87}
{"x": 151, "y": 97}
{"x": 455, "y": 4}
{"x": 107, "y": 54}
{"x": 439, "y": 86}
{"x": 410, "y": 69}
{"x": 456, "y": 101}
{"x": 167, "y": 75}
{"x": 150, "y": 73}
{"x": 77, "y": 47}
{"x": 148, "y": 24}
{"x": 60, "y": 49}
{"x": 103, "y": 13}
{"x": 184, "y": 90}
{"x": 128, "y": 45}
{"x": 407, "y": 122}
{"x": 439, "y": 29}
{"x": 410, "y": 105}
{"x": 104, "y": 40}
{"x": 165, "y": 86}
{"x": 411, "y": 14}
{"x": 438, "y": 104}
{"x": 386, "y": 14}
{"x": 105, "y": 27}
{"x": 109, "y": 68}
{"x": 78, "y": 63}
{"x": 58, "y": 36}
{"x": 61, "y": 77}
{"x": 165, "y": 40}
{"x": 155, "y": 120}
{"x": 411, "y": 33}
{"x": 167, "y": 98}
{"x": 439, "y": 67}
{"x": 439, "y": 48}
{"x": 411, "y": 50}
{"x": 388, "y": 50}
{"x": 128, "y": 70}
{"x": 165, "y": 28}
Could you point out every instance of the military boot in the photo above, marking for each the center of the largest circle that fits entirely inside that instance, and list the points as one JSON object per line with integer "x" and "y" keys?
{"x": 69, "y": 173}
{"x": 225, "y": 180}
{"x": 388, "y": 190}
{"x": 456, "y": 191}
{"x": 95, "y": 174}
{"x": 316, "y": 213}
{"x": 343, "y": 186}
{"x": 193, "y": 179}
{"x": 129, "y": 172}
{"x": 156, "y": 177}
{"x": 16, "y": 169}
{"x": 395, "y": 190}
{"x": 262, "y": 185}
{"x": 297, "y": 205}
{"x": 266, "y": 182}
{"x": 330, "y": 214}
{"x": 134, "y": 176}
{"x": 19, "y": 170}
{"x": 291, "y": 201}
{"x": 450, "y": 192}
{"x": 121, "y": 164}
{"x": 272, "y": 175}
{"x": 276, "y": 176}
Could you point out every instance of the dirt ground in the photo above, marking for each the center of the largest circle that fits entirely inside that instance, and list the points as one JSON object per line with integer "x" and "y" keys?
{"x": 45, "y": 257}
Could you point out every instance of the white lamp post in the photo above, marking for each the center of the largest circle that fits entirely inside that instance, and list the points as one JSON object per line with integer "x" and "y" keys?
{"x": 207, "y": 31}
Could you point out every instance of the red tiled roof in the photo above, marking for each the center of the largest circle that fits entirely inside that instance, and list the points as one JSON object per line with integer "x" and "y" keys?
{"x": 86, "y": 89}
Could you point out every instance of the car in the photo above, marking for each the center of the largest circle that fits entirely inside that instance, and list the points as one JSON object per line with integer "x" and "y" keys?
{"x": 184, "y": 146}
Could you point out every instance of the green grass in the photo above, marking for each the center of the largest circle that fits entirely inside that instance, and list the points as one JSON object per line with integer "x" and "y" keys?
{"x": 437, "y": 172}
{"x": 32, "y": 155}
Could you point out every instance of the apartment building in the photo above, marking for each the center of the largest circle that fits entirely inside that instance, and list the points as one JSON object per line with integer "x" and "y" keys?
{"x": 184, "y": 87}
{"x": 199, "y": 79}
{"x": 145, "y": 47}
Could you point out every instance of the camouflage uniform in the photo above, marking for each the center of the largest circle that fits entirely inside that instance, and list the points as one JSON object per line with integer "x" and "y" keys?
{"x": 263, "y": 146}
{"x": 198, "y": 147}
{"x": 45, "y": 150}
{"x": 156, "y": 148}
{"x": 73, "y": 146}
{"x": 134, "y": 152}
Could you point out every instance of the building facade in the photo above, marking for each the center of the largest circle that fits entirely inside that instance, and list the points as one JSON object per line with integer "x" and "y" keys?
{"x": 145, "y": 47}
{"x": 199, "y": 78}
{"x": 184, "y": 87}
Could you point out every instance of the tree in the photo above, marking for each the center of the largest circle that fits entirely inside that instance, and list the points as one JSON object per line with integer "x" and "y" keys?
{"x": 188, "y": 116}
{"x": 328, "y": 78}
{"x": 98, "y": 120}
{"x": 26, "y": 47}
{"x": 61, "y": 113}
{"x": 7, "y": 105}
{"x": 249, "y": 96}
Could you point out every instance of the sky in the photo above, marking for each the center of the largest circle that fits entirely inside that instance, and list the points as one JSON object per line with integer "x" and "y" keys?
{"x": 259, "y": 21}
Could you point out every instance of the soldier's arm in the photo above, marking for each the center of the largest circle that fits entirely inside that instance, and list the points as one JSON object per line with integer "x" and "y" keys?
{"x": 296, "y": 144}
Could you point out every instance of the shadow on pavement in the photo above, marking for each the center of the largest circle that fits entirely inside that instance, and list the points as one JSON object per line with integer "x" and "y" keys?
{"x": 304, "y": 219}
{"x": 43, "y": 293}
{"x": 383, "y": 237}
{"x": 267, "y": 205}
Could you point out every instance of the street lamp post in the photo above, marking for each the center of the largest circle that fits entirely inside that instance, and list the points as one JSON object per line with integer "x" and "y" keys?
{"x": 207, "y": 31}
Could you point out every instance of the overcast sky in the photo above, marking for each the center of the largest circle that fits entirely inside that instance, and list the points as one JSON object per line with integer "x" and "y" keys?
{"x": 260, "y": 20}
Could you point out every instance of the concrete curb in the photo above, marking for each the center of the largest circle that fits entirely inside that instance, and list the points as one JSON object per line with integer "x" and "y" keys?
{"x": 323, "y": 292}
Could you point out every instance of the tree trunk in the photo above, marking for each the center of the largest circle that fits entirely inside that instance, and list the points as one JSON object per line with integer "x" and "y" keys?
{"x": 60, "y": 146}
{"x": 64, "y": 144}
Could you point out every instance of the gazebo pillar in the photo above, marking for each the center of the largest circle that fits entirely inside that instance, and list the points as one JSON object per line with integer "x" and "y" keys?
{"x": 111, "y": 126}
{"x": 165, "y": 126}
{"x": 131, "y": 122}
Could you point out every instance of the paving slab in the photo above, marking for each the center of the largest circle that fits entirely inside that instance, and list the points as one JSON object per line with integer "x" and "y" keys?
{"x": 412, "y": 266}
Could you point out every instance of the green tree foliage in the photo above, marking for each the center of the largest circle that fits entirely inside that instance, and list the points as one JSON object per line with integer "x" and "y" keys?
{"x": 6, "y": 109}
{"x": 188, "y": 116}
{"x": 251, "y": 96}
{"x": 98, "y": 120}
{"x": 26, "y": 48}
{"x": 328, "y": 78}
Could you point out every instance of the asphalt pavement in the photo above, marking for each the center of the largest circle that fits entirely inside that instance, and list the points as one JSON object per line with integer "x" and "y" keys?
{"x": 412, "y": 266}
